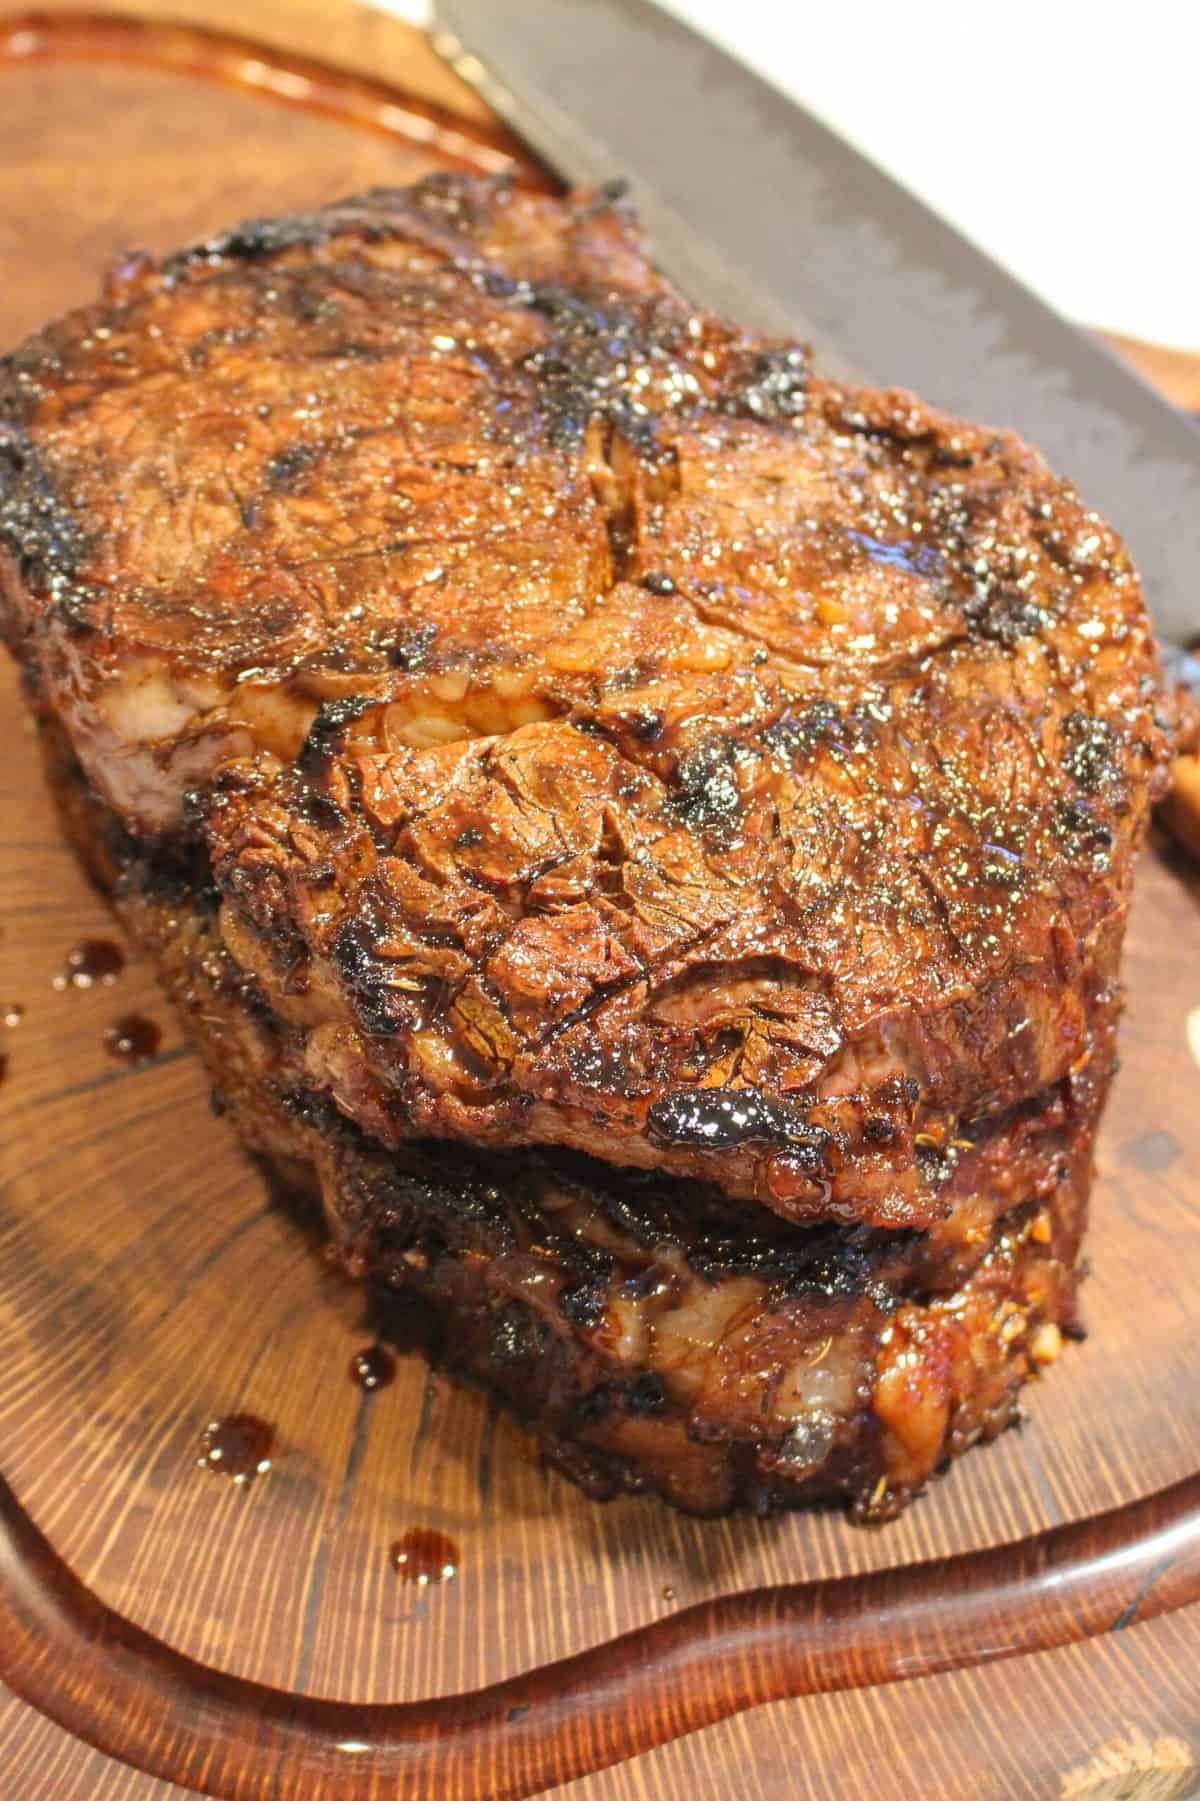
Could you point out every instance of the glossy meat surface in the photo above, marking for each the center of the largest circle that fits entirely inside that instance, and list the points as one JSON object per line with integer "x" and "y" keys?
{"x": 651, "y": 1340}
{"x": 605, "y": 733}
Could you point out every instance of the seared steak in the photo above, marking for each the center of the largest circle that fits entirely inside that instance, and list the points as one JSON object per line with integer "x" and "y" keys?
{"x": 575, "y": 729}
{"x": 655, "y": 1335}
{"x": 719, "y": 770}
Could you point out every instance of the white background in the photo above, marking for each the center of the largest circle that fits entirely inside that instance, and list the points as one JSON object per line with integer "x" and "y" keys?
{"x": 1061, "y": 136}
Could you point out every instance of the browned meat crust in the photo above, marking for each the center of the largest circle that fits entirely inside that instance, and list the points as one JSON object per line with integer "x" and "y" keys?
{"x": 652, "y": 1340}
{"x": 659, "y": 751}
{"x": 653, "y": 1336}
{"x": 563, "y": 724}
{"x": 516, "y": 942}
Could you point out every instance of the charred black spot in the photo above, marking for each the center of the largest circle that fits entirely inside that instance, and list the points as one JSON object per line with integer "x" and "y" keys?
{"x": 645, "y": 1394}
{"x": 774, "y": 386}
{"x": 1080, "y": 832}
{"x": 35, "y": 527}
{"x": 218, "y": 337}
{"x": 448, "y": 194}
{"x": 195, "y": 805}
{"x": 470, "y": 836}
{"x": 320, "y": 809}
{"x": 880, "y": 1295}
{"x": 1090, "y": 757}
{"x": 317, "y": 1111}
{"x": 364, "y": 975}
{"x": 82, "y": 608}
{"x": 583, "y": 1303}
{"x": 657, "y": 581}
{"x": 707, "y": 796}
{"x": 409, "y": 649}
{"x": 999, "y": 611}
{"x": 375, "y": 215}
{"x": 835, "y": 1271}
{"x": 255, "y": 239}
{"x": 935, "y": 1164}
{"x": 173, "y": 872}
{"x": 327, "y": 733}
{"x": 499, "y": 286}
{"x": 405, "y": 1202}
{"x": 516, "y": 1334}
{"x": 878, "y": 1130}
{"x": 799, "y": 733}
{"x": 583, "y": 372}
{"x": 951, "y": 456}
{"x": 832, "y": 1260}
{"x": 720, "y": 1118}
{"x": 647, "y": 726}
{"x": 287, "y": 466}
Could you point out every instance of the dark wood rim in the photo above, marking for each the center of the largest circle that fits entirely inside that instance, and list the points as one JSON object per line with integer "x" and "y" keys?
{"x": 130, "y": 1695}
{"x": 289, "y": 80}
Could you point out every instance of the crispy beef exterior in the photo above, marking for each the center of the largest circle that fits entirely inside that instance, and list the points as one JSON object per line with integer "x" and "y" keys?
{"x": 650, "y": 829}
{"x": 631, "y": 741}
{"x": 652, "y": 1336}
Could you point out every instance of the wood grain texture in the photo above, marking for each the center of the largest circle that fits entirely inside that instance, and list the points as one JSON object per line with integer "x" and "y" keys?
{"x": 148, "y": 1283}
{"x": 130, "y": 1694}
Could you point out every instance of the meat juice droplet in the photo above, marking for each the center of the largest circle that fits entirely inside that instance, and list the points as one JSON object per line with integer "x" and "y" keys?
{"x": 372, "y": 1368}
{"x": 91, "y": 961}
{"x": 424, "y": 1556}
{"x": 11, "y": 1014}
{"x": 133, "y": 1039}
{"x": 239, "y": 1446}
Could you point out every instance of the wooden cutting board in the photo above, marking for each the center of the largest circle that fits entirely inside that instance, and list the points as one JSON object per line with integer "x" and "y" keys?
{"x": 148, "y": 1285}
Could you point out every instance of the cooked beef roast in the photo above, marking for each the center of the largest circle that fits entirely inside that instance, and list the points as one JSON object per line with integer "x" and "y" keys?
{"x": 655, "y": 1335}
{"x": 576, "y": 730}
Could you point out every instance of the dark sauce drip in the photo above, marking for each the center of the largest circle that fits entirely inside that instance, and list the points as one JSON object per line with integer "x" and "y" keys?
{"x": 372, "y": 1368}
{"x": 133, "y": 1039}
{"x": 239, "y": 1446}
{"x": 424, "y": 1556}
{"x": 91, "y": 961}
{"x": 12, "y": 1014}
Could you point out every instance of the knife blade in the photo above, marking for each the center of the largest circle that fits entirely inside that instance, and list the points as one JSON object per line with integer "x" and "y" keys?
{"x": 758, "y": 210}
